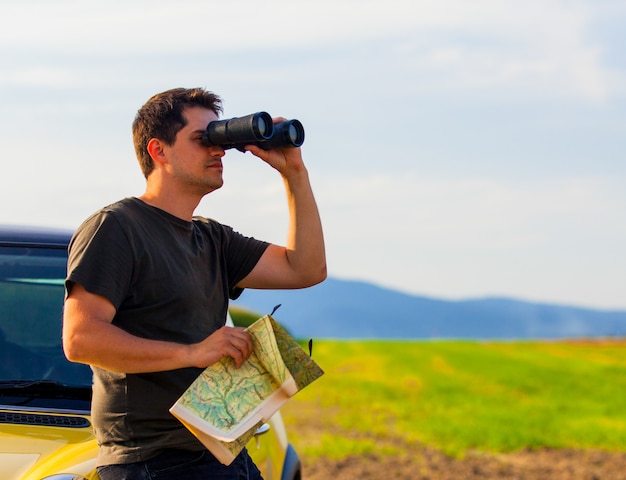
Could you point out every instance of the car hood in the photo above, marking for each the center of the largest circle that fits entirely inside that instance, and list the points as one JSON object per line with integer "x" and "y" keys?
{"x": 29, "y": 452}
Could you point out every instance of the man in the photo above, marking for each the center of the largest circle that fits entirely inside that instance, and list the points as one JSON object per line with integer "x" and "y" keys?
{"x": 148, "y": 286}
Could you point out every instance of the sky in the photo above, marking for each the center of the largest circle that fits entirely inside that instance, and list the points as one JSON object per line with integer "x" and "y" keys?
{"x": 456, "y": 149}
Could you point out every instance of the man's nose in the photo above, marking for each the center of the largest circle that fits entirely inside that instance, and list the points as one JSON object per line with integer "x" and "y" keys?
{"x": 216, "y": 151}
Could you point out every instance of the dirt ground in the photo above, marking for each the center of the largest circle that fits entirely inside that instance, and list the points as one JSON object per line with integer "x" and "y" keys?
{"x": 419, "y": 462}
{"x": 426, "y": 464}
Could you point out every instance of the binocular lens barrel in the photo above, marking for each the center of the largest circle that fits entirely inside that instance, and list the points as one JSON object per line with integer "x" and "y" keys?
{"x": 289, "y": 133}
{"x": 249, "y": 129}
{"x": 255, "y": 129}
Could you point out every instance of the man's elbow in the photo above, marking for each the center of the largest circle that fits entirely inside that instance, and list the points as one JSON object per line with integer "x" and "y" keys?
{"x": 323, "y": 274}
{"x": 73, "y": 349}
{"x": 71, "y": 352}
{"x": 316, "y": 276}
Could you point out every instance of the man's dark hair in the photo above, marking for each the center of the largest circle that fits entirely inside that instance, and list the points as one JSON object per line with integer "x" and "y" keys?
{"x": 162, "y": 117}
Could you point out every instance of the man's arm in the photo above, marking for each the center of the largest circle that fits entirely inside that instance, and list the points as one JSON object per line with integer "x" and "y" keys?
{"x": 302, "y": 262}
{"x": 90, "y": 337}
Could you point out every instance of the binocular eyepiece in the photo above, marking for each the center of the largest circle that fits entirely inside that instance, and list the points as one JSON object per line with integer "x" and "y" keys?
{"x": 255, "y": 129}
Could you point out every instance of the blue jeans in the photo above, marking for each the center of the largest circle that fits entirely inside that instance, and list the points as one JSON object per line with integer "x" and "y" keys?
{"x": 183, "y": 465}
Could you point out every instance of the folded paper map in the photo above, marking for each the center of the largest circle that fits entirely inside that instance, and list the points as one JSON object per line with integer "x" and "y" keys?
{"x": 226, "y": 405}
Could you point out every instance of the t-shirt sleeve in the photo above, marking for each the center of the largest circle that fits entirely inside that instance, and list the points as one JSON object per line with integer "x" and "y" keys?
{"x": 100, "y": 259}
{"x": 243, "y": 253}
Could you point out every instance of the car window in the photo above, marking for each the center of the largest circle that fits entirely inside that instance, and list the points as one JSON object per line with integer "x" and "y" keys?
{"x": 31, "y": 303}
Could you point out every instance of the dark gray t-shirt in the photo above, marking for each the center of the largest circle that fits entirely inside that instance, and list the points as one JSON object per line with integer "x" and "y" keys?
{"x": 169, "y": 280}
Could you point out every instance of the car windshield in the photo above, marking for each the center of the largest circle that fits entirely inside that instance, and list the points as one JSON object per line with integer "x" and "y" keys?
{"x": 31, "y": 303}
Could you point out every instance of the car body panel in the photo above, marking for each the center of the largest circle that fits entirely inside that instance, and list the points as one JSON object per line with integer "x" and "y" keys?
{"x": 29, "y": 452}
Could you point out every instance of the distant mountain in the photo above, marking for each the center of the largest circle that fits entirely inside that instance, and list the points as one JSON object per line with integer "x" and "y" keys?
{"x": 353, "y": 309}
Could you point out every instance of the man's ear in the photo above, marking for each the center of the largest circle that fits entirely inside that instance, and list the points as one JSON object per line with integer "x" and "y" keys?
{"x": 156, "y": 151}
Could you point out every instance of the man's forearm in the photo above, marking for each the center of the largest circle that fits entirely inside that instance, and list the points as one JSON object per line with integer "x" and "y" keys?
{"x": 104, "y": 345}
{"x": 90, "y": 337}
{"x": 302, "y": 261}
{"x": 305, "y": 247}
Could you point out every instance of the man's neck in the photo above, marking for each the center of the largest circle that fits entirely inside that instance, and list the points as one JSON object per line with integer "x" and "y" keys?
{"x": 182, "y": 207}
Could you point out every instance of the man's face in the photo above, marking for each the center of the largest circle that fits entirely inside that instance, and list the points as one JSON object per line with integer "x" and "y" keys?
{"x": 194, "y": 166}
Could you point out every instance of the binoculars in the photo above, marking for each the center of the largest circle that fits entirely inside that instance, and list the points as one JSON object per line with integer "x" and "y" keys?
{"x": 254, "y": 129}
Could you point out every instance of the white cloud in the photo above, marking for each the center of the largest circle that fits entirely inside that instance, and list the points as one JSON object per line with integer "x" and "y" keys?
{"x": 534, "y": 239}
{"x": 159, "y": 27}
{"x": 36, "y": 76}
{"x": 466, "y": 214}
{"x": 530, "y": 45}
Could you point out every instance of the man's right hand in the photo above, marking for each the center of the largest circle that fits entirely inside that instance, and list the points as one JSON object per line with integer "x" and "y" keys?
{"x": 232, "y": 342}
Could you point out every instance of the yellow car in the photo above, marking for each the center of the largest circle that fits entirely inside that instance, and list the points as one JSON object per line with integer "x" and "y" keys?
{"x": 45, "y": 427}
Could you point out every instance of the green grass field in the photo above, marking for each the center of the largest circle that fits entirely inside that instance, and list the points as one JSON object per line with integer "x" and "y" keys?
{"x": 461, "y": 395}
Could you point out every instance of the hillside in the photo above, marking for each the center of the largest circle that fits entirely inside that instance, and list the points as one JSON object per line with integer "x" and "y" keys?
{"x": 353, "y": 309}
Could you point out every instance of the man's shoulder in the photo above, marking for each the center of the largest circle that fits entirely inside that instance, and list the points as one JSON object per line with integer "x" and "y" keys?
{"x": 200, "y": 220}
{"x": 120, "y": 207}
{"x": 210, "y": 226}
{"x": 110, "y": 216}
{"x": 125, "y": 205}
